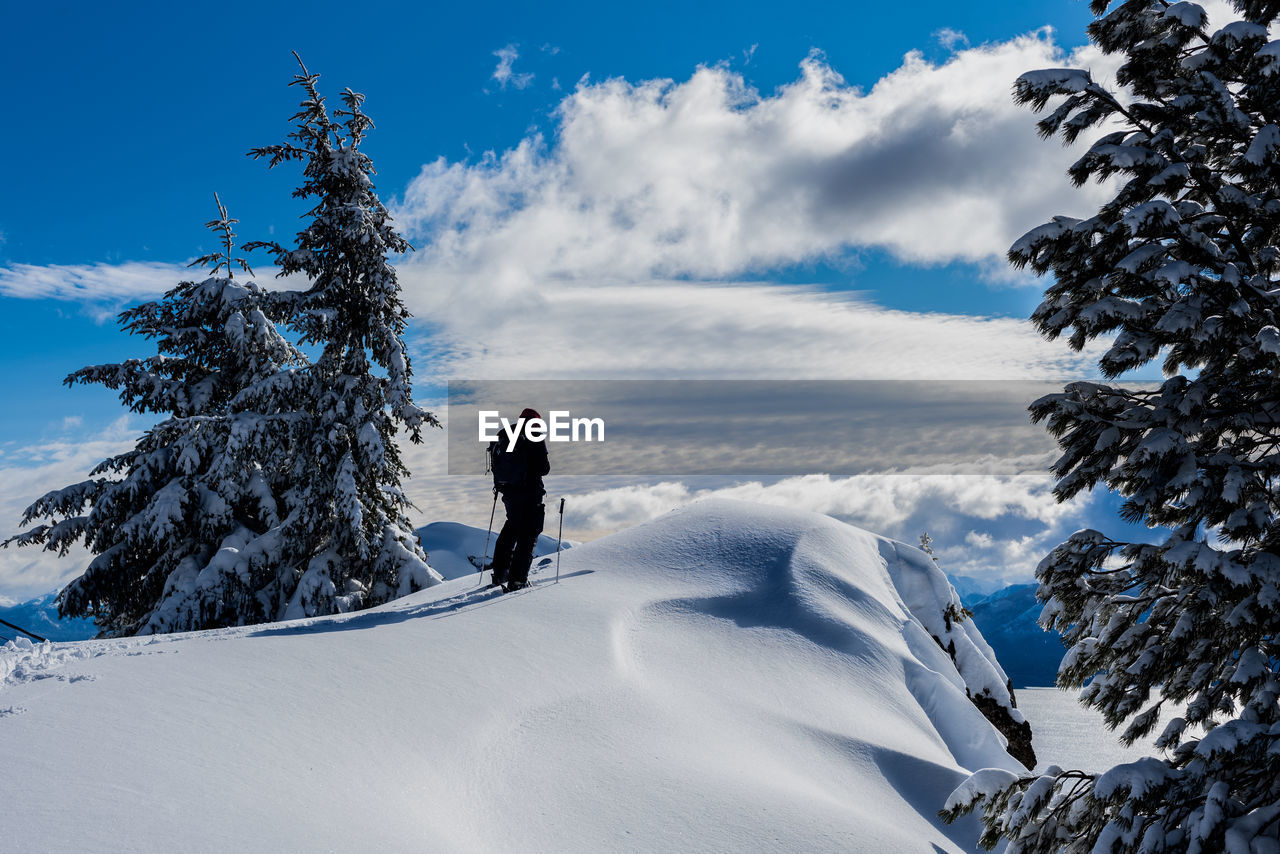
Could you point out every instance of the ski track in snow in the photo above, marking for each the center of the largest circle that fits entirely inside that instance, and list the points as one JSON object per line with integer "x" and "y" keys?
{"x": 727, "y": 678}
{"x": 23, "y": 661}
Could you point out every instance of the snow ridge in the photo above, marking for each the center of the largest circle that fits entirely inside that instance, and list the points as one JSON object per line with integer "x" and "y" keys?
{"x": 727, "y": 677}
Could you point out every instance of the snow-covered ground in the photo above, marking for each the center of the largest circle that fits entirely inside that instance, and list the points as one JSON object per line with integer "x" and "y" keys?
{"x": 1069, "y": 735}
{"x": 730, "y": 677}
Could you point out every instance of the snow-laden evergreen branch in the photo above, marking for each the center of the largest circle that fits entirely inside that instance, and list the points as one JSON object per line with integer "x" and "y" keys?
{"x": 1181, "y": 265}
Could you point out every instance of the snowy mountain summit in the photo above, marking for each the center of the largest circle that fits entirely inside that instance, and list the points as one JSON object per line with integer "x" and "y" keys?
{"x": 730, "y": 677}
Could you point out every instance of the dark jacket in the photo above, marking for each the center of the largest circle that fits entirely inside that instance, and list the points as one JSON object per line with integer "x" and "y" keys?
{"x": 535, "y": 465}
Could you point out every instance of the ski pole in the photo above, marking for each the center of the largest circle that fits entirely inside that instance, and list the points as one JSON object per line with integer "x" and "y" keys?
{"x": 559, "y": 540}
{"x": 492, "y": 511}
{"x": 24, "y": 631}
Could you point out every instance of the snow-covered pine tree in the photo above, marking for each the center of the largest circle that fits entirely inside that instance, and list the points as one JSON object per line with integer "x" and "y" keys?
{"x": 166, "y": 520}
{"x": 1181, "y": 263}
{"x": 346, "y": 525}
{"x": 926, "y": 546}
{"x": 954, "y": 612}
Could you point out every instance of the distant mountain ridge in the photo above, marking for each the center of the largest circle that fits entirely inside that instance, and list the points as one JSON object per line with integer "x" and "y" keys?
{"x": 40, "y": 615}
{"x": 1008, "y": 620}
{"x": 972, "y": 589}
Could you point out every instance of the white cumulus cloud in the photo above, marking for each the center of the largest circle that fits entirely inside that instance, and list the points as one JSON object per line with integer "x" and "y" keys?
{"x": 30, "y": 471}
{"x": 709, "y": 178}
{"x": 504, "y": 73}
{"x": 970, "y": 517}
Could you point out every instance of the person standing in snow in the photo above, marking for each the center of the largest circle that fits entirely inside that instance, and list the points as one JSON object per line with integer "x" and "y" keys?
{"x": 517, "y": 477}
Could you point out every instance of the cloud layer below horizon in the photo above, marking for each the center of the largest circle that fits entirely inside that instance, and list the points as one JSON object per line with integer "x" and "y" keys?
{"x": 994, "y": 527}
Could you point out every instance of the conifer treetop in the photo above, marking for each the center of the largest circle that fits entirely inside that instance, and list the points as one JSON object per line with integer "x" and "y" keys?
{"x": 224, "y": 258}
{"x": 353, "y": 304}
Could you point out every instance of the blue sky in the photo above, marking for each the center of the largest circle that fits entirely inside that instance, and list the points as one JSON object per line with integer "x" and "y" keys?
{"x": 818, "y": 190}
{"x": 134, "y": 113}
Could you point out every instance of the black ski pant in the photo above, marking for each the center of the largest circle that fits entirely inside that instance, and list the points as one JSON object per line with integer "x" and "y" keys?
{"x": 513, "y": 552}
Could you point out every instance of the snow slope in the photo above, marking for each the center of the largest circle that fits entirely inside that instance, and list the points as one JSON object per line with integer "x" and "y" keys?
{"x": 1070, "y": 735}
{"x": 730, "y": 677}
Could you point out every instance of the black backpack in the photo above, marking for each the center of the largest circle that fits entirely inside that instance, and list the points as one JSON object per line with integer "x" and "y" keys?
{"x": 508, "y": 467}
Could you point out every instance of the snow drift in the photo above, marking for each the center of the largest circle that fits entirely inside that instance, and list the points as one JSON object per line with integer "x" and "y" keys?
{"x": 729, "y": 677}
{"x": 451, "y": 545}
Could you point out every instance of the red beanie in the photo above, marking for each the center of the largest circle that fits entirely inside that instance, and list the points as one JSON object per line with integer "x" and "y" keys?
{"x": 530, "y": 413}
